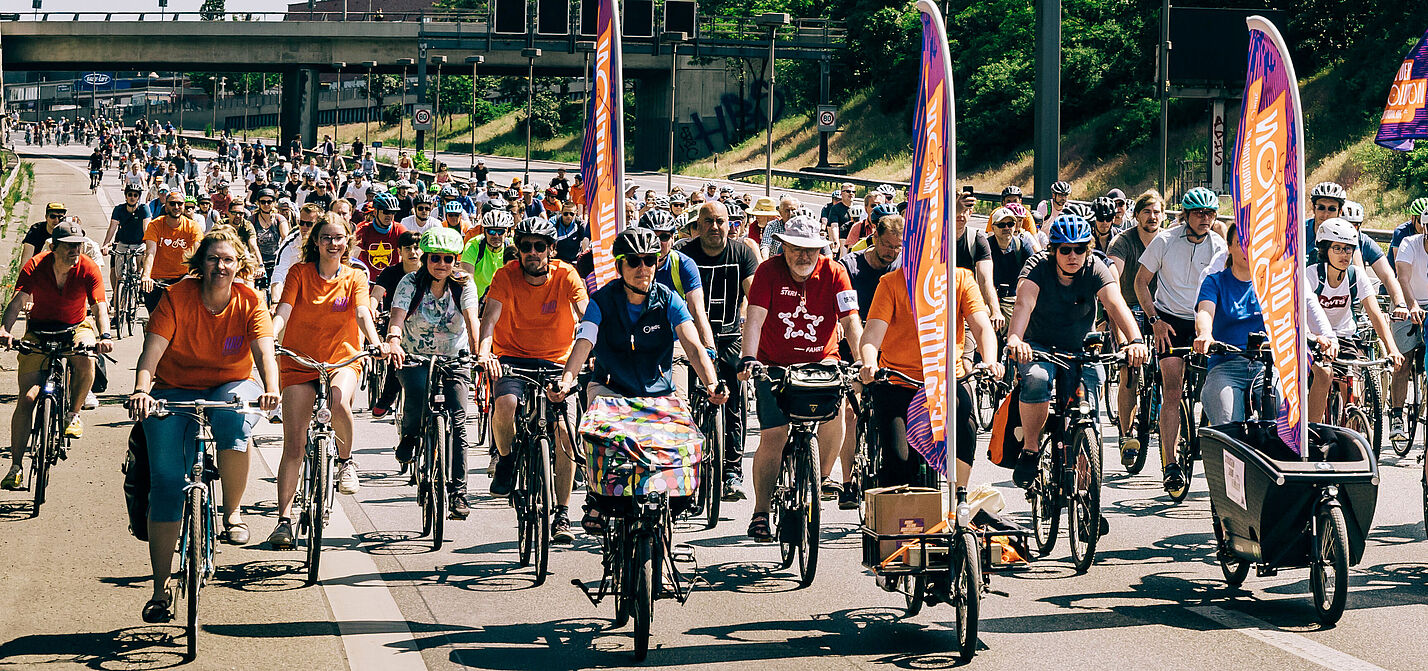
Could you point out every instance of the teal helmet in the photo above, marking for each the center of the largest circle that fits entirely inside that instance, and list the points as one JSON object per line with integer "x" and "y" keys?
{"x": 1200, "y": 198}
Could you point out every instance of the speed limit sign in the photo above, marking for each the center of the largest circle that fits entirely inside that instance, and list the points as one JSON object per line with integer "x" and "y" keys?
{"x": 421, "y": 117}
{"x": 827, "y": 118}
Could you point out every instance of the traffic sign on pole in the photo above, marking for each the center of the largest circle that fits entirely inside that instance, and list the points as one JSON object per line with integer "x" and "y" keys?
{"x": 422, "y": 117}
{"x": 827, "y": 118}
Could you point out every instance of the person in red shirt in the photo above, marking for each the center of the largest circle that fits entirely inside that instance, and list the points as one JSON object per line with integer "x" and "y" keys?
{"x": 62, "y": 285}
{"x": 377, "y": 240}
{"x": 797, "y": 301}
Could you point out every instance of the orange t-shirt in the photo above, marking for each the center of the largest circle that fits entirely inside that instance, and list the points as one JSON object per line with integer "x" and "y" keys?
{"x": 323, "y": 321}
{"x": 901, "y": 351}
{"x": 174, "y": 243}
{"x": 577, "y": 195}
{"x": 208, "y": 350}
{"x": 537, "y": 322}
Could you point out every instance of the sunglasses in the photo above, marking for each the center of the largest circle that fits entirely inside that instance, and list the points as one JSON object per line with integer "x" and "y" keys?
{"x": 638, "y": 260}
{"x": 422, "y": 209}
{"x": 441, "y": 258}
{"x": 54, "y": 215}
{"x": 664, "y": 236}
{"x": 265, "y": 201}
{"x": 1068, "y": 250}
{"x": 1005, "y": 224}
{"x": 528, "y": 246}
{"x": 1326, "y": 208}
{"x": 174, "y": 203}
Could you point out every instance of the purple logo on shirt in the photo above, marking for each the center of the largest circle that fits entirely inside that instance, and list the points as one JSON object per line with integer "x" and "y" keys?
{"x": 232, "y": 345}
{"x": 340, "y": 304}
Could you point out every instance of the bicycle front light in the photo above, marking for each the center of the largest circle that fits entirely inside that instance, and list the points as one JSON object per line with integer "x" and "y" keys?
{"x": 322, "y": 416}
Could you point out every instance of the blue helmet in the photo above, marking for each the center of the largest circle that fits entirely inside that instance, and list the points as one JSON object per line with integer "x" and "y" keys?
{"x": 1069, "y": 228}
{"x": 1200, "y": 198}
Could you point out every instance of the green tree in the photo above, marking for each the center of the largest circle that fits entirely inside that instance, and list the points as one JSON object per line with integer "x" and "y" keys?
{"x": 212, "y": 10}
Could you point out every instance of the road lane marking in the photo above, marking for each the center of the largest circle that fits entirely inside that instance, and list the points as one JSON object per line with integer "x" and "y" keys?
{"x": 356, "y": 608}
{"x": 1291, "y": 643}
{"x": 104, "y": 203}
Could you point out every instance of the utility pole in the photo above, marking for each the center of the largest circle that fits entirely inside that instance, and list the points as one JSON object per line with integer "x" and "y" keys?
{"x": 471, "y": 120}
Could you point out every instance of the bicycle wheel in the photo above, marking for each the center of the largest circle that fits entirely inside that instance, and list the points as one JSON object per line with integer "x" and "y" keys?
{"x": 867, "y": 455}
{"x": 617, "y": 551}
{"x": 916, "y": 590}
{"x": 967, "y": 593}
{"x": 1373, "y": 405}
{"x": 809, "y": 507}
{"x": 1083, "y": 515}
{"x": 436, "y": 478}
{"x": 1234, "y": 568}
{"x": 1356, "y": 419}
{"x": 1147, "y": 400}
{"x": 783, "y": 512}
{"x": 1044, "y": 496}
{"x": 1184, "y": 453}
{"x": 522, "y": 500}
{"x": 421, "y": 475}
{"x": 482, "y": 404}
{"x": 713, "y": 483}
{"x": 541, "y": 492}
{"x": 1412, "y": 406}
{"x": 196, "y": 528}
{"x": 1329, "y": 574}
{"x": 319, "y": 474}
{"x": 642, "y": 593}
{"x": 1110, "y": 394}
{"x": 46, "y": 440}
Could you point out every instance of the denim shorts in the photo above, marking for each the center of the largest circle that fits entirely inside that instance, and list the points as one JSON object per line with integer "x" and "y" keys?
{"x": 172, "y": 440}
{"x": 1036, "y": 380}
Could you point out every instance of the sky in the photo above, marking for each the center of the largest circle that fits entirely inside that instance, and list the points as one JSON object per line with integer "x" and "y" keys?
{"x": 24, "y": 6}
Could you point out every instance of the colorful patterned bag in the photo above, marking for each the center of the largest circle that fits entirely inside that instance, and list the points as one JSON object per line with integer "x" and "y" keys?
{"x": 641, "y": 445}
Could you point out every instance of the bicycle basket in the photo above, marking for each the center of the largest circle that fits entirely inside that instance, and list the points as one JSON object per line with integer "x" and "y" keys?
{"x": 810, "y": 393}
{"x": 641, "y": 445}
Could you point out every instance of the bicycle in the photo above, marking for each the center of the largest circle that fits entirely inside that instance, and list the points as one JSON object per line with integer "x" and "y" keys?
{"x": 316, "y": 487}
{"x": 1414, "y": 407}
{"x": 987, "y": 395}
{"x": 196, "y": 528}
{"x": 433, "y": 459}
{"x": 374, "y": 372}
{"x": 809, "y": 394}
{"x": 1346, "y": 394}
{"x": 868, "y": 447}
{"x": 1069, "y": 466}
{"x": 1187, "y": 449}
{"x": 127, "y": 294}
{"x": 48, "y": 445}
{"x": 534, "y": 494}
{"x": 710, "y": 420}
{"x": 94, "y": 176}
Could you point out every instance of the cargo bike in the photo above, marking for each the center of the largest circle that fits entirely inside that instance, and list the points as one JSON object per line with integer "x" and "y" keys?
{"x": 1274, "y": 509}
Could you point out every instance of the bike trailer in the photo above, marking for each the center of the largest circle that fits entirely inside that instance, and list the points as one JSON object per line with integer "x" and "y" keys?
{"x": 1264, "y": 494}
{"x": 638, "y": 446}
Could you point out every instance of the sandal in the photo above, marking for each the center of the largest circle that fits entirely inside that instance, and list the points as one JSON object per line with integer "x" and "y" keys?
{"x": 593, "y": 523}
{"x": 236, "y": 534}
{"x": 759, "y": 528}
{"x": 157, "y": 612}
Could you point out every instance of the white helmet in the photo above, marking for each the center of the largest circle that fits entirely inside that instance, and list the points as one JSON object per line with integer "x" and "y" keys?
{"x": 1352, "y": 212}
{"x": 1336, "y": 230}
{"x": 1328, "y": 190}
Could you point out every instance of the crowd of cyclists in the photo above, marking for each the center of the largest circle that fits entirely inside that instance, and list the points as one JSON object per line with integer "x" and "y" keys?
{"x": 264, "y": 245}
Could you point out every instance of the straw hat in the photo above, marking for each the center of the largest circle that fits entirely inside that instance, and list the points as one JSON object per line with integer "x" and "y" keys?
{"x": 764, "y": 207}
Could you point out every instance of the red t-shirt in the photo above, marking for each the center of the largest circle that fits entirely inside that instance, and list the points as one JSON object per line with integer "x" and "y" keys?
{"x": 802, "y": 324}
{"x": 378, "y": 250}
{"x": 57, "y": 307}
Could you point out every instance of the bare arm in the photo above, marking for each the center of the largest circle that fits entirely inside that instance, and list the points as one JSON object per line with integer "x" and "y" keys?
{"x": 1385, "y": 274}
{"x": 753, "y": 329}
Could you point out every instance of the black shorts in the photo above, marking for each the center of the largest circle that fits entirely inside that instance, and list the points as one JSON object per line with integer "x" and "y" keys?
{"x": 1184, "y": 332}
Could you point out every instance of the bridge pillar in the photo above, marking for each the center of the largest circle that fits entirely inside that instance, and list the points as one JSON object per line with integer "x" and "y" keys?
{"x": 297, "y": 113}
{"x": 651, "y": 131}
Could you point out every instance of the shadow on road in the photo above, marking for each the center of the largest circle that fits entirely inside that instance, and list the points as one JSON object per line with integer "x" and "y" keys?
{"x": 132, "y": 648}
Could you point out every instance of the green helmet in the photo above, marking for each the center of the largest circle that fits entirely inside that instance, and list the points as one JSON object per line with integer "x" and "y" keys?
{"x": 1418, "y": 207}
{"x": 441, "y": 240}
{"x": 1200, "y": 198}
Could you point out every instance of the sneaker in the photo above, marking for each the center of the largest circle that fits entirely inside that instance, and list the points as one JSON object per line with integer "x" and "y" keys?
{"x": 282, "y": 536}
{"x": 347, "y": 477}
{"x": 504, "y": 480}
{"x": 1397, "y": 429}
{"x": 491, "y": 463}
{"x": 734, "y": 489}
{"x": 831, "y": 489}
{"x": 380, "y": 411}
{"x": 15, "y": 479}
{"x": 75, "y": 428}
{"x": 90, "y": 401}
{"x": 848, "y": 498}
{"x": 459, "y": 506}
{"x": 1174, "y": 480}
{"x": 1026, "y": 467}
{"x": 1130, "y": 451}
{"x": 560, "y": 528}
{"x": 406, "y": 447}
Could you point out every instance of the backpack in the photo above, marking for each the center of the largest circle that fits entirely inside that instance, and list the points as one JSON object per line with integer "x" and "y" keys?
{"x": 136, "y": 482}
{"x": 423, "y": 284}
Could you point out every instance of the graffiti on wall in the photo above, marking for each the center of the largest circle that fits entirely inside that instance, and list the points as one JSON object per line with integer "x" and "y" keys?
{"x": 735, "y": 118}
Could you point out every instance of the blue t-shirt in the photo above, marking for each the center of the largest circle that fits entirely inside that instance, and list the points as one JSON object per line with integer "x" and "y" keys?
{"x": 689, "y": 278}
{"x": 1404, "y": 230}
{"x": 1237, "y": 312}
{"x": 678, "y": 313}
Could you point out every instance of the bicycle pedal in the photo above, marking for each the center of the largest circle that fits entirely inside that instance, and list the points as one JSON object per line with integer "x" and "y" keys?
{"x": 682, "y": 553}
{"x": 62, "y": 453}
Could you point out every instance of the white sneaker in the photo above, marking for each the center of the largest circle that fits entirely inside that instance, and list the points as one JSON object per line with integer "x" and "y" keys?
{"x": 91, "y": 401}
{"x": 347, "y": 477}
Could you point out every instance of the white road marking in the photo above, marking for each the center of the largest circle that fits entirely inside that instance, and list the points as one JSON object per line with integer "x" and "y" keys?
{"x": 104, "y": 203}
{"x": 356, "y": 608}
{"x": 1291, "y": 643}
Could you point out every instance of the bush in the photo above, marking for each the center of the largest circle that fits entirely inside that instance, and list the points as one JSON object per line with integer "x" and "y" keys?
{"x": 392, "y": 114}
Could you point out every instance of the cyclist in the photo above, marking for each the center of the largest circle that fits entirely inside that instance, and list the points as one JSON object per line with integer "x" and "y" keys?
{"x": 1413, "y": 226}
{"x": 433, "y": 313}
{"x": 572, "y": 240}
{"x": 1177, "y": 259}
{"x": 1338, "y": 285}
{"x": 61, "y": 284}
{"x": 485, "y": 254}
{"x": 797, "y": 300}
{"x": 1011, "y": 247}
{"x": 837, "y": 216}
{"x": 1412, "y": 262}
{"x": 1328, "y": 200}
{"x": 40, "y": 233}
{"x": 167, "y": 242}
{"x": 769, "y": 241}
{"x": 454, "y": 217}
{"x": 96, "y": 166}
{"x": 1125, "y": 251}
{"x": 377, "y": 240}
{"x": 201, "y": 343}
{"x": 421, "y": 218}
{"x": 247, "y": 234}
{"x": 1048, "y": 210}
{"x": 1055, "y": 305}
{"x": 1105, "y": 223}
{"x": 677, "y": 271}
{"x": 408, "y": 261}
{"x": 126, "y": 230}
{"x": 270, "y": 227}
{"x": 290, "y": 250}
{"x": 529, "y": 322}
{"x": 324, "y": 313}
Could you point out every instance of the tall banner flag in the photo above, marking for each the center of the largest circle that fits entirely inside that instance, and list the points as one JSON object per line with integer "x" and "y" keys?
{"x": 602, "y": 158}
{"x": 1405, "y": 116}
{"x": 926, "y": 250}
{"x": 1268, "y": 191}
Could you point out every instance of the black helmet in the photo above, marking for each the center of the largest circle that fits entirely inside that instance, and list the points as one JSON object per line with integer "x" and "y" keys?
{"x": 635, "y": 241}
{"x": 1012, "y": 190}
{"x": 657, "y": 220}
{"x": 1104, "y": 208}
{"x": 1081, "y": 210}
{"x": 267, "y": 193}
{"x": 536, "y": 226}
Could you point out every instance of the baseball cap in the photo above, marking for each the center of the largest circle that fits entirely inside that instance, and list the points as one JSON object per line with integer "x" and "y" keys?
{"x": 56, "y": 206}
{"x": 68, "y": 232}
{"x": 1002, "y": 214}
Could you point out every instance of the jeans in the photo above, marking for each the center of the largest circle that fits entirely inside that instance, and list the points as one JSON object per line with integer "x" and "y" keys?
{"x": 414, "y": 397}
{"x": 1223, "y": 395}
{"x": 172, "y": 441}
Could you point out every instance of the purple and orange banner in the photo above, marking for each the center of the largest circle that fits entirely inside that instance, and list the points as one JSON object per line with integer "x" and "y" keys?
{"x": 1405, "y": 115}
{"x": 602, "y": 157}
{"x": 1268, "y": 189}
{"x": 926, "y": 252}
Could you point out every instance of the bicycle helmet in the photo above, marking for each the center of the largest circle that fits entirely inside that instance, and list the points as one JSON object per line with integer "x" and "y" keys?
{"x": 882, "y": 210}
{"x": 386, "y": 202}
{"x": 1069, "y": 229}
{"x": 1063, "y": 188}
{"x": 1200, "y": 198}
{"x": 1012, "y": 190}
{"x": 804, "y": 212}
{"x": 421, "y": 199}
{"x": 1336, "y": 230}
{"x": 1418, "y": 207}
{"x": 726, "y": 190}
{"x": 535, "y": 226}
{"x": 497, "y": 204}
{"x": 453, "y": 207}
{"x": 886, "y": 189}
{"x": 450, "y": 191}
{"x": 441, "y": 240}
{"x": 1328, "y": 190}
{"x": 497, "y": 220}
{"x": 736, "y": 213}
{"x": 1104, "y": 208}
{"x": 1081, "y": 210}
{"x": 661, "y": 202}
{"x": 635, "y": 240}
{"x": 1352, "y": 212}
{"x": 657, "y": 220}
{"x": 266, "y": 193}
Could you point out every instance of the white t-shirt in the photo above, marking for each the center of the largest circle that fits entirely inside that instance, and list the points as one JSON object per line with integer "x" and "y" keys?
{"x": 1179, "y": 266}
{"x": 1411, "y": 252}
{"x": 410, "y": 223}
{"x": 1338, "y": 301}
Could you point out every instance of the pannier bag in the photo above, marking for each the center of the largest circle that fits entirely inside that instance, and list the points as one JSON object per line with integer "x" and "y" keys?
{"x": 1006, "y": 442}
{"x": 810, "y": 392}
{"x": 640, "y": 446}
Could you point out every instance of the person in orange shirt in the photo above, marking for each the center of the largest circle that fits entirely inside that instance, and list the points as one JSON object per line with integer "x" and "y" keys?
{"x": 324, "y": 313}
{"x": 168, "y": 238}
{"x": 531, "y": 310}
{"x": 890, "y": 339}
{"x": 201, "y": 343}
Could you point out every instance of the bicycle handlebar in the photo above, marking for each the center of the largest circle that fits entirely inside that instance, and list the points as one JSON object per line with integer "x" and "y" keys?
{"x": 309, "y": 362}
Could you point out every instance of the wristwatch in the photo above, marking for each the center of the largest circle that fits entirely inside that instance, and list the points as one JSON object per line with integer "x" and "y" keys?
{"x": 1137, "y": 341}
{"x": 1151, "y": 319}
{"x": 106, "y": 336}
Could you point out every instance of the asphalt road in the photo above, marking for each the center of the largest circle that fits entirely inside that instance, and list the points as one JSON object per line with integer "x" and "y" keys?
{"x": 74, "y": 580}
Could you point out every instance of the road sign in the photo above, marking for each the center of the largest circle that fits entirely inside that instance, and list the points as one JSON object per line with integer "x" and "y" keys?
{"x": 97, "y": 79}
{"x": 421, "y": 117}
{"x": 827, "y": 118}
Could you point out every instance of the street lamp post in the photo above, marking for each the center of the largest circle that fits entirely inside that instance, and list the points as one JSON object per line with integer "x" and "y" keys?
{"x": 247, "y": 89}
{"x": 147, "y": 104}
{"x": 402, "y": 113}
{"x": 471, "y": 120}
{"x": 438, "y": 61}
{"x": 772, "y": 20}
{"x": 179, "y": 76}
{"x": 530, "y": 53}
{"x": 217, "y": 96}
{"x": 367, "y": 115}
{"x": 673, "y": 39}
{"x": 337, "y": 107}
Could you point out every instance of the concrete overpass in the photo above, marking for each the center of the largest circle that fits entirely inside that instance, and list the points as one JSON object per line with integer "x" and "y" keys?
{"x": 300, "y": 50}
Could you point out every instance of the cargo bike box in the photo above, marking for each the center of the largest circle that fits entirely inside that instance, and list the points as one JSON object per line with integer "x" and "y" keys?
{"x": 638, "y": 446}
